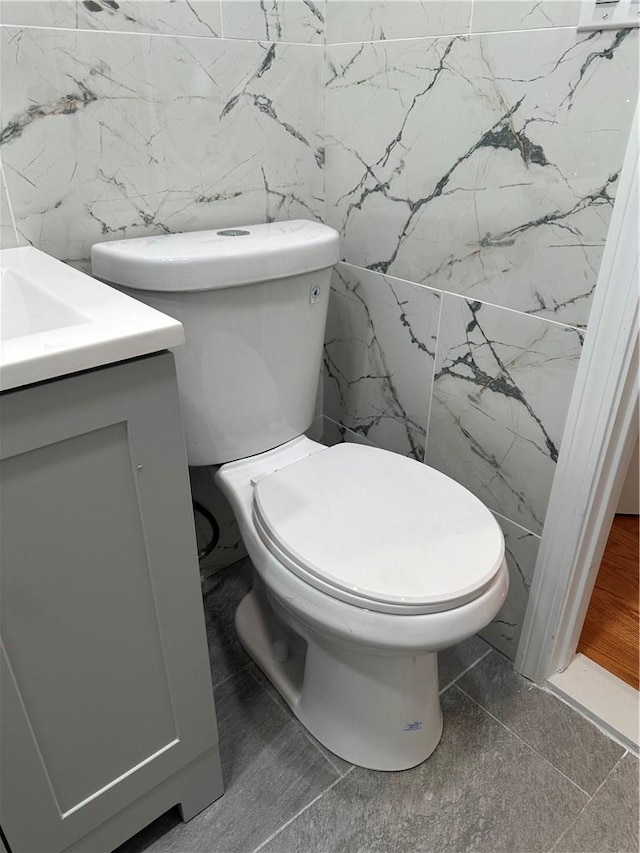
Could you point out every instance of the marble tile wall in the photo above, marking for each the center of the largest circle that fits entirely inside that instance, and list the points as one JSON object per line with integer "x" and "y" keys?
{"x": 472, "y": 157}
{"x": 271, "y": 20}
{"x": 276, "y": 20}
{"x": 485, "y": 165}
{"x": 134, "y": 118}
{"x": 501, "y": 391}
{"x": 372, "y": 20}
{"x": 168, "y": 17}
{"x": 379, "y": 357}
{"x": 521, "y": 548}
{"x": 378, "y": 20}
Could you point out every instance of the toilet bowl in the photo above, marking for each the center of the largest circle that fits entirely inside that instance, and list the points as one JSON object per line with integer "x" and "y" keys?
{"x": 351, "y": 648}
{"x": 366, "y": 563}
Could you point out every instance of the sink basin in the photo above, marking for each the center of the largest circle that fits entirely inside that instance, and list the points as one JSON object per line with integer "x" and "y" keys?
{"x": 55, "y": 320}
{"x": 26, "y": 309}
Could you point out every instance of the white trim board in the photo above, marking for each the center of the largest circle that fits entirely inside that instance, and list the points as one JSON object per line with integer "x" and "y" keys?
{"x": 601, "y": 697}
{"x": 595, "y": 451}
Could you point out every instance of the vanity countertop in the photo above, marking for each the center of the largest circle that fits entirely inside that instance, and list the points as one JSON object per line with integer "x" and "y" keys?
{"x": 55, "y": 320}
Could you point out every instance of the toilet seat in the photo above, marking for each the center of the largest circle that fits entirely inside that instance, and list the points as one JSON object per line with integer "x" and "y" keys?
{"x": 431, "y": 544}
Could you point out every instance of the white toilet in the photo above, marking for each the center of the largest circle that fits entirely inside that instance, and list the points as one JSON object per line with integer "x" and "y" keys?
{"x": 366, "y": 563}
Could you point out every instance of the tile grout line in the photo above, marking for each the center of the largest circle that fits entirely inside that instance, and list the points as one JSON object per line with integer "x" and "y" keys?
{"x": 302, "y": 810}
{"x": 348, "y": 429}
{"x": 394, "y": 277}
{"x": 277, "y": 700}
{"x": 324, "y": 83}
{"x": 517, "y": 523}
{"x": 147, "y": 34}
{"x": 229, "y": 677}
{"x": 573, "y": 822}
{"x": 444, "y": 291}
{"x": 280, "y": 703}
{"x": 315, "y": 744}
{"x": 523, "y": 741}
{"x": 433, "y": 376}
{"x": 466, "y": 34}
{"x": 465, "y": 671}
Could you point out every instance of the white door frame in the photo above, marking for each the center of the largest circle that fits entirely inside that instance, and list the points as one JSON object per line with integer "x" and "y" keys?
{"x": 596, "y": 447}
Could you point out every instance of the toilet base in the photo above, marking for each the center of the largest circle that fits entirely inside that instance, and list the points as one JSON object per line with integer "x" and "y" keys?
{"x": 378, "y": 711}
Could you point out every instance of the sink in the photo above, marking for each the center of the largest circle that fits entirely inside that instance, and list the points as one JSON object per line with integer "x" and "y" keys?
{"x": 27, "y": 309}
{"x": 55, "y": 320}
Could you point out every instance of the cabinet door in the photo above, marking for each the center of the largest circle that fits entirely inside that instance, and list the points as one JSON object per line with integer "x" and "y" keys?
{"x": 105, "y": 687}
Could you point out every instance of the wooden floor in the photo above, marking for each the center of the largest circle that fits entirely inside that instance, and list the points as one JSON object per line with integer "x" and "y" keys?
{"x": 610, "y": 633}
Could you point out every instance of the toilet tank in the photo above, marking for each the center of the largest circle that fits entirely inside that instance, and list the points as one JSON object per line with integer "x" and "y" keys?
{"x": 253, "y": 303}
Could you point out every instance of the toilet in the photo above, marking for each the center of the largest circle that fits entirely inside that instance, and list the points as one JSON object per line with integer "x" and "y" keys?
{"x": 366, "y": 563}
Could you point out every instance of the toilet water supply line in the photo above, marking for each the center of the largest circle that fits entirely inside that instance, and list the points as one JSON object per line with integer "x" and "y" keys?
{"x": 215, "y": 530}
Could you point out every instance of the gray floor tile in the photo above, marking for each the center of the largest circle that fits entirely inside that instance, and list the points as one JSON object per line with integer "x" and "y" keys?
{"x": 482, "y": 790}
{"x": 222, "y": 592}
{"x": 452, "y": 662}
{"x": 338, "y": 763}
{"x": 271, "y": 771}
{"x": 567, "y": 740}
{"x": 609, "y": 823}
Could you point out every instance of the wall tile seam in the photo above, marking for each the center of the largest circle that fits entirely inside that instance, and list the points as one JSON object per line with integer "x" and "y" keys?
{"x": 444, "y": 292}
{"x": 471, "y": 16}
{"x": 143, "y": 34}
{"x": 462, "y": 35}
{"x": 516, "y": 524}
{"x": 310, "y": 44}
{"x": 320, "y": 44}
{"x": 433, "y": 376}
{"x": 551, "y": 28}
{"x": 466, "y": 35}
{"x": 221, "y": 19}
{"x": 324, "y": 75}
{"x": 348, "y": 429}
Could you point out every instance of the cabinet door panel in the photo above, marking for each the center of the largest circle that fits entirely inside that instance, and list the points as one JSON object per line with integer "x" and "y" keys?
{"x": 106, "y": 670}
{"x": 82, "y": 635}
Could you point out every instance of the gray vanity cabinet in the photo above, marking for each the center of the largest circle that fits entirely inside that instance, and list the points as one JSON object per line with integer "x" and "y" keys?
{"x": 107, "y": 715}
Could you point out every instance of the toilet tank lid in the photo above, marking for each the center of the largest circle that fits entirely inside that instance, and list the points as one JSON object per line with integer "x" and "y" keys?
{"x": 224, "y": 257}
